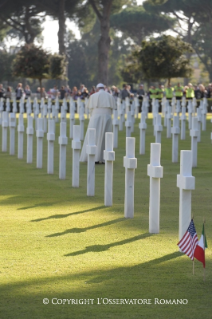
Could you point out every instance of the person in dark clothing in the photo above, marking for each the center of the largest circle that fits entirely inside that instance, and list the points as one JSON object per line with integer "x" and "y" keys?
{"x": 62, "y": 93}
{"x": 19, "y": 91}
{"x": 2, "y": 91}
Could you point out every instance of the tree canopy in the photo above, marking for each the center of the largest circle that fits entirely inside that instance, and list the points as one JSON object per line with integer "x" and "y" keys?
{"x": 162, "y": 59}
{"x": 35, "y": 63}
{"x": 138, "y": 23}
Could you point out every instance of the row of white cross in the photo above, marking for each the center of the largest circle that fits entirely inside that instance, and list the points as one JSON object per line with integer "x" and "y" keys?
{"x": 184, "y": 181}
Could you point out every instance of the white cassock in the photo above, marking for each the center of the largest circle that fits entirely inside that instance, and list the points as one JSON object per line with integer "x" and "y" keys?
{"x": 101, "y": 105}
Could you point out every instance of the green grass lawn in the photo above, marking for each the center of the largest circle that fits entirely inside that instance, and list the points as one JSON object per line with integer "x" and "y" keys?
{"x": 58, "y": 243}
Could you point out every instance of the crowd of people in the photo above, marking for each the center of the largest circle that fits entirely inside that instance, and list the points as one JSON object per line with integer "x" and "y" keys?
{"x": 190, "y": 91}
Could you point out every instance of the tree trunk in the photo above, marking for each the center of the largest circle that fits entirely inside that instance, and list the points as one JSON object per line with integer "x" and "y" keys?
{"x": 40, "y": 83}
{"x": 104, "y": 41}
{"x": 188, "y": 55}
{"x": 62, "y": 31}
{"x": 29, "y": 35}
{"x": 103, "y": 50}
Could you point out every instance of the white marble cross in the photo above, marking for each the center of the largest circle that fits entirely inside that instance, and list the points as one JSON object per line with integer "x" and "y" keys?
{"x": 128, "y": 125}
{"x": 121, "y": 115}
{"x": 190, "y": 111}
{"x": 175, "y": 130}
{"x": 204, "y": 114}
{"x": 183, "y": 123}
{"x": 72, "y": 118}
{"x": 20, "y": 136}
{"x": 86, "y": 108}
{"x": 5, "y": 123}
{"x": 186, "y": 183}
{"x": 91, "y": 152}
{"x": 39, "y": 135}
{"x": 132, "y": 112}
{"x": 158, "y": 129}
{"x": 199, "y": 120}
{"x": 44, "y": 113}
{"x": 155, "y": 172}
{"x": 109, "y": 157}
{"x": 50, "y": 139}
{"x": 194, "y": 136}
{"x": 178, "y": 108}
{"x": 82, "y": 120}
{"x": 130, "y": 164}
{"x": 57, "y": 107}
{"x": 14, "y": 106}
{"x": 115, "y": 128}
{"x": 12, "y": 125}
{"x": 168, "y": 127}
{"x": 127, "y": 104}
{"x": 63, "y": 141}
{"x": 8, "y": 105}
{"x": 63, "y": 114}
{"x": 142, "y": 128}
{"x": 30, "y": 132}
{"x": 137, "y": 105}
{"x": 166, "y": 113}
{"x": 76, "y": 146}
{"x": 49, "y": 108}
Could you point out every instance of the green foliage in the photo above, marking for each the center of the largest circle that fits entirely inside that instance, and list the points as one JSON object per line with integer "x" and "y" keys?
{"x": 157, "y": 2}
{"x": 78, "y": 64}
{"x": 202, "y": 44}
{"x": 56, "y": 242}
{"x": 32, "y": 62}
{"x": 6, "y": 60}
{"x": 162, "y": 59}
{"x": 138, "y": 23}
{"x": 83, "y": 58}
{"x": 24, "y": 17}
{"x": 57, "y": 66}
{"x": 36, "y": 63}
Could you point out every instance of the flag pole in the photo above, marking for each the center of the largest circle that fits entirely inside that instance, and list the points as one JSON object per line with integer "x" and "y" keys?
{"x": 204, "y": 247}
{"x": 193, "y": 257}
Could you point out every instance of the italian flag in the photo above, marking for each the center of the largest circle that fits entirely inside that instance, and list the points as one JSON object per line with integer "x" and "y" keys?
{"x": 199, "y": 252}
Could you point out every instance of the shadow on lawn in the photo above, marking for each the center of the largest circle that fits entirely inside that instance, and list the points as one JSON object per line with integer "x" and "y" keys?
{"x": 99, "y": 248}
{"x": 67, "y": 215}
{"x": 115, "y": 272}
{"x": 101, "y": 275}
{"x": 36, "y": 205}
{"x": 81, "y": 230}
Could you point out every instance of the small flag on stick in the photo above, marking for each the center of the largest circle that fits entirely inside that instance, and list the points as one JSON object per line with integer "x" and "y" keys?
{"x": 199, "y": 252}
{"x": 188, "y": 242}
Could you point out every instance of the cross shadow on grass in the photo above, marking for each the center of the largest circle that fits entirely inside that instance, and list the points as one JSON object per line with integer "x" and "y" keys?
{"x": 99, "y": 248}
{"x": 67, "y": 215}
{"x": 81, "y": 230}
{"x": 37, "y": 205}
{"x": 146, "y": 265}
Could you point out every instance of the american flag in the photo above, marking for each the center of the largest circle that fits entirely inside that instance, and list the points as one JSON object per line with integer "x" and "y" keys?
{"x": 189, "y": 241}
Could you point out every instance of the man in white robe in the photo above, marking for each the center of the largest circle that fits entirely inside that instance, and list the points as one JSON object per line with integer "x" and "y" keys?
{"x": 101, "y": 105}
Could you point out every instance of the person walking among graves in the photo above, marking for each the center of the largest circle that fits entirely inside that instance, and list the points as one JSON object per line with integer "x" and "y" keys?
{"x": 101, "y": 105}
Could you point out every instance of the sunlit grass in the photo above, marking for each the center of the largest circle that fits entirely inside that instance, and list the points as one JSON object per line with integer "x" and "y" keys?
{"x": 58, "y": 243}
